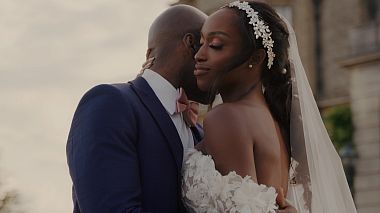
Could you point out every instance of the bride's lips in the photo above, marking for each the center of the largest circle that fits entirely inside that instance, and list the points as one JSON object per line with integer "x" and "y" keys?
{"x": 200, "y": 70}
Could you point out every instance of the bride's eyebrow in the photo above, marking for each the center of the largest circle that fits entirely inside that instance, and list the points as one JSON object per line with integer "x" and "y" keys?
{"x": 218, "y": 33}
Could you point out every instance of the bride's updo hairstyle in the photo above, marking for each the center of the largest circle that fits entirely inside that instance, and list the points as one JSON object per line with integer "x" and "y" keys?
{"x": 276, "y": 79}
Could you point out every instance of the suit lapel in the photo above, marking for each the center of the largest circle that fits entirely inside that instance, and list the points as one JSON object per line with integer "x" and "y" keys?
{"x": 160, "y": 116}
{"x": 198, "y": 134}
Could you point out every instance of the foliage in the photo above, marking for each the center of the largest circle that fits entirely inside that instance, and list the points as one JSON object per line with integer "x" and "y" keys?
{"x": 7, "y": 200}
{"x": 338, "y": 122}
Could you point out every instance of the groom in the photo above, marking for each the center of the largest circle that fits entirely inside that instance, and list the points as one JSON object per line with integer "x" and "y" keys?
{"x": 125, "y": 147}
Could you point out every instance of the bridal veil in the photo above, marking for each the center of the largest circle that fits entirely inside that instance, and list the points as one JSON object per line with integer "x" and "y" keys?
{"x": 319, "y": 184}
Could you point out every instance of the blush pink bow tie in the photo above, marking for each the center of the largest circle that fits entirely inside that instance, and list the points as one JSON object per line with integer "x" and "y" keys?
{"x": 188, "y": 108}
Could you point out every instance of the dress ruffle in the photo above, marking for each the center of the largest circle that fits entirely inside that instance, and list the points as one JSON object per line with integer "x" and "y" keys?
{"x": 204, "y": 189}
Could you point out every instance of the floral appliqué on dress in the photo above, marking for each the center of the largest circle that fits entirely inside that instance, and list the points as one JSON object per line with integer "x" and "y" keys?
{"x": 204, "y": 189}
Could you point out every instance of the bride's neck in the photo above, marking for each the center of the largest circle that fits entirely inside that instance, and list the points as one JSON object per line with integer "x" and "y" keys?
{"x": 240, "y": 92}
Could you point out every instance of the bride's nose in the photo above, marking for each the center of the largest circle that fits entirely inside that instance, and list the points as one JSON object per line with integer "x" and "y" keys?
{"x": 200, "y": 55}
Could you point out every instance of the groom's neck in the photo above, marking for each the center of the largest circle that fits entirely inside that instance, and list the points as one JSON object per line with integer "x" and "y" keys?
{"x": 167, "y": 72}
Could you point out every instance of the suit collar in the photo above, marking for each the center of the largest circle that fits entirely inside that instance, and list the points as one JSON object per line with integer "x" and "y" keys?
{"x": 163, "y": 89}
{"x": 160, "y": 116}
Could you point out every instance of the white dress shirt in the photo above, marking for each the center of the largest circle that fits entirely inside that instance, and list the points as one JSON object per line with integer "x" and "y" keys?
{"x": 168, "y": 94}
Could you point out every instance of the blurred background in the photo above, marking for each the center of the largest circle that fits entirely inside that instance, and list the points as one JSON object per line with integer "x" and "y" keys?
{"x": 52, "y": 51}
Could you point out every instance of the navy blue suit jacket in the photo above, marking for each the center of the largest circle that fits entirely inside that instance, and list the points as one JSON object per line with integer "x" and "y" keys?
{"x": 124, "y": 152}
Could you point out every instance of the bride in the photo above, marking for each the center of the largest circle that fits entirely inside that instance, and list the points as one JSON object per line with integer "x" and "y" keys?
{"x": 267, "y": 137}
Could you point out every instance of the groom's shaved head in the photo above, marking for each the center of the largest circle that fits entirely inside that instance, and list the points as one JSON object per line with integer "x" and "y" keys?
{"x": 171, "y": 25}
{"x": 173, "y": 41}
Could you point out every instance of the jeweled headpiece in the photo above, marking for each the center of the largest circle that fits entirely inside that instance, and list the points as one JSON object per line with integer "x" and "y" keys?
{"x": 260, "y": 28}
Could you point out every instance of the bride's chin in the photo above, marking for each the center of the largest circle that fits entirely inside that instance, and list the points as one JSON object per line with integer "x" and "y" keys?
{"x": 203, "y": 86}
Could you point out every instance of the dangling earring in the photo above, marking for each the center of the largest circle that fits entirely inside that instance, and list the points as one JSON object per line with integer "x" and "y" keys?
{"x": 250, "y": 66}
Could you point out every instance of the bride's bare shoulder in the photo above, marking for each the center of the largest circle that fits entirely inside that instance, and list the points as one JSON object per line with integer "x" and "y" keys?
{"x": 224, "y": 116}
{"x": 239, "y": 117}
{"x": 226, "y": 109}
{"x": 228, "y": 141}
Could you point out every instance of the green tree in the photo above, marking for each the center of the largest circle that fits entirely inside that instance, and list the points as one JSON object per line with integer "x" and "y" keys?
{"x": 7, "y": 200}
{"x": 338, "y": 122}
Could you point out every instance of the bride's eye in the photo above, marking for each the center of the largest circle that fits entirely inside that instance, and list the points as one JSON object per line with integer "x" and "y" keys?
{"x": 215, "y": 43}
{"x": 216, "y": 46}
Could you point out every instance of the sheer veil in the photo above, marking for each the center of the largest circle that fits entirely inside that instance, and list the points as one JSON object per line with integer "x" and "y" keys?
{"x": 319, "y": 184}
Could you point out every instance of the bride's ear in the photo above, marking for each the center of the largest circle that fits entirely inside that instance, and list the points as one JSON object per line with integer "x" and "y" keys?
{"x": 189, "y": 41}
{"x": 258, "y": 57}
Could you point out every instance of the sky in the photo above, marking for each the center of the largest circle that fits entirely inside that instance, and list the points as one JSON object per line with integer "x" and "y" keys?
{"x": 51, "y": 53}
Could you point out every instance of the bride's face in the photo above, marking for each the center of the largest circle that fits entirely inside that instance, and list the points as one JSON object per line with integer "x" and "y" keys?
{"x": 221, "y": 47}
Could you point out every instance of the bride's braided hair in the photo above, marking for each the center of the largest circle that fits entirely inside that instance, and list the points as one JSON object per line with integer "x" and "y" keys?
{"x": 276, "y": 80}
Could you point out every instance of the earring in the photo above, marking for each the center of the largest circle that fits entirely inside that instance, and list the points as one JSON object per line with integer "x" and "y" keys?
{"x": 250, "y": 66}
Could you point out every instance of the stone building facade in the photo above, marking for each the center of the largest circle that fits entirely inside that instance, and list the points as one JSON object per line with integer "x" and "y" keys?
{"x": 363, "y": 68}
{"x": 364, "y": 73}
{"x": 339, "y": 43}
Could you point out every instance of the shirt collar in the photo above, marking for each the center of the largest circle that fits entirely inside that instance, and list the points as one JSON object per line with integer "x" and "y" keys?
{"x": 164, "y": 90}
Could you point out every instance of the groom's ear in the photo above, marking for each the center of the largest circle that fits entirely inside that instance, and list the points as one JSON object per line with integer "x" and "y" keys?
{"x": 148, "y": 52}
{"x": 189, "y": 41}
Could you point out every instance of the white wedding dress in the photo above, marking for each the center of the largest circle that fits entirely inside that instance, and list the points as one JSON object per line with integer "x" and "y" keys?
{"x": 204, "y": 189}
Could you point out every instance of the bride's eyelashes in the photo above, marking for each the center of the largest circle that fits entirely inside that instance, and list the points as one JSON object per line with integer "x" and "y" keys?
{"x": 216, "y": 46}
{"x": 215, "y": 43}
